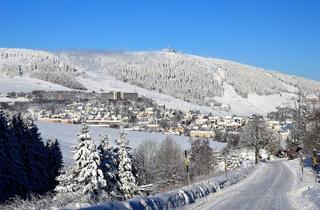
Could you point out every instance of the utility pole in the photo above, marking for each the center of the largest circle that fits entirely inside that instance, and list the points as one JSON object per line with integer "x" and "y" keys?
{"x": 186, "y": 163}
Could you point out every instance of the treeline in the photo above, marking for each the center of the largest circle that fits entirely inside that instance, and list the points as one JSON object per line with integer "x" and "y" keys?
{"x": 27, "y": 165}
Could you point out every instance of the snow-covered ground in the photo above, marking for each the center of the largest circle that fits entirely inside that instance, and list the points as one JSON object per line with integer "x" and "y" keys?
{"x": 67, "y": 136}
{"x": 278, "y": 185}
{"x": 26, "y": 84}
{"x": 254, "y": 104}
{"x": 265, "y": 189}
{"x": 4, "y": 98}
{"x": 306, "y": 194}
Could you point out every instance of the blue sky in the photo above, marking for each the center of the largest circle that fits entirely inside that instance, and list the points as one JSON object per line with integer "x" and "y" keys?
{"x": 281, "y": 35}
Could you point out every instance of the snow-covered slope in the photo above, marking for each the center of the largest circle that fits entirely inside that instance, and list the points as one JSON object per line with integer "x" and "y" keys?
{"x": 175, "y": 79}
{"x": 39, "y": 64}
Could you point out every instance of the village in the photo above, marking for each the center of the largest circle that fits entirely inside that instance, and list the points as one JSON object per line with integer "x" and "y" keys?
{"x": 133, "y": 112}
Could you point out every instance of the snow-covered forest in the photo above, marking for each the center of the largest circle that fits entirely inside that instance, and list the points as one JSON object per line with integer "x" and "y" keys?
{"x": 199, "y": 80}
{"x": 39, "y": 64}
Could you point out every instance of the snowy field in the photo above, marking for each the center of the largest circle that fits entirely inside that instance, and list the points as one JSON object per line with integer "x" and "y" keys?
{"x": 26, "y": 84}
{"x": 67, "y": 136}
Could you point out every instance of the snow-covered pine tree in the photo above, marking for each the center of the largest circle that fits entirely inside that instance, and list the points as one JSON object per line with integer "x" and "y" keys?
{"x": 88, "y": 175}
{"x": 108, "y": 165}
{"x": 126, "y": 181}
{"x": 66, "y": 180}
{"x": 55, "y": 162}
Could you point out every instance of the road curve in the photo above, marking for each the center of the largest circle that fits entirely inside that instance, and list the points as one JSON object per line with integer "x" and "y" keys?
{"x": 265, "y": 189}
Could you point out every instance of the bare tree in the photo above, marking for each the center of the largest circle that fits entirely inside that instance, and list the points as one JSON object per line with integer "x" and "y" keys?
{"x": 312, "y": 140}
{"x": 169, "y": 161}
{"x": 145, "y": 158}
{"x": 255, "y": 135}
{"x": 201, "y": 157}
{"x": 299, "y": 132}
{"x": 273, "y": 141}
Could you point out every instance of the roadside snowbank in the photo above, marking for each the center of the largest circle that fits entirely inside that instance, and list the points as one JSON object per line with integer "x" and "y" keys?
{"x": 178, "y": 198}
{"x": 306, "y": 193}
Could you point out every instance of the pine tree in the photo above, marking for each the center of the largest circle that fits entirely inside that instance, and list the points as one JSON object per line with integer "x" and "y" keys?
{"x": 108, "y": 165}
{"x": 66, "y": 180}
{"x": 55, "y": 162}
{"x": 37, "y": 161}
{"x": 88, "y": 175}
{"x": 33, "y": 154}
{"x": 12, "y": 178}
{"x": 126, "y": 181}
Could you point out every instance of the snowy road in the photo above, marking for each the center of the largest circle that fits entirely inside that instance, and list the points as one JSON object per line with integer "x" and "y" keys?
{"x": 265, "y": 189}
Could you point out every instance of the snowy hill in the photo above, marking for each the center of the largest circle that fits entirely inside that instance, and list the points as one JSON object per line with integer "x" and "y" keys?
{"x": 175, "y": 79}
{"x": 40, "y": 65}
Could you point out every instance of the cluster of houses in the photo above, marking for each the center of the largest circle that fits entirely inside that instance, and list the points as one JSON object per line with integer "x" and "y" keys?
{"x": 128, "y": 110}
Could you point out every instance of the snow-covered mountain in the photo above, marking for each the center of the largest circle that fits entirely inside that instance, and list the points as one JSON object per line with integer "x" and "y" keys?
{"x": 178, "y": 80}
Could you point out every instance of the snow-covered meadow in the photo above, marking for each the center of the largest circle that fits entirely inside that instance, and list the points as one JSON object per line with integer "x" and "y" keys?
{"x": 67, "y": 136}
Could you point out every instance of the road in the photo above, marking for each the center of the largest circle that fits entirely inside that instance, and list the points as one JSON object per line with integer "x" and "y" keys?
{"x": 265, "y": 189}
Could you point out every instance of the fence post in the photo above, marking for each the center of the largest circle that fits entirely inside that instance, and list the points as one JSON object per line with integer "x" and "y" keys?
{"x": 186, "y": 163}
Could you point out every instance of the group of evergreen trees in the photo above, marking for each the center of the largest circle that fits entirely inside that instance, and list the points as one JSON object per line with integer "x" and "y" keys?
{"x": 27, "y": 165}
{"x": 99, "y": 169}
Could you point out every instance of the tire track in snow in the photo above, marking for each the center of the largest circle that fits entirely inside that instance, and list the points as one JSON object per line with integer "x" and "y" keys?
{"x": 265, "y": 189}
